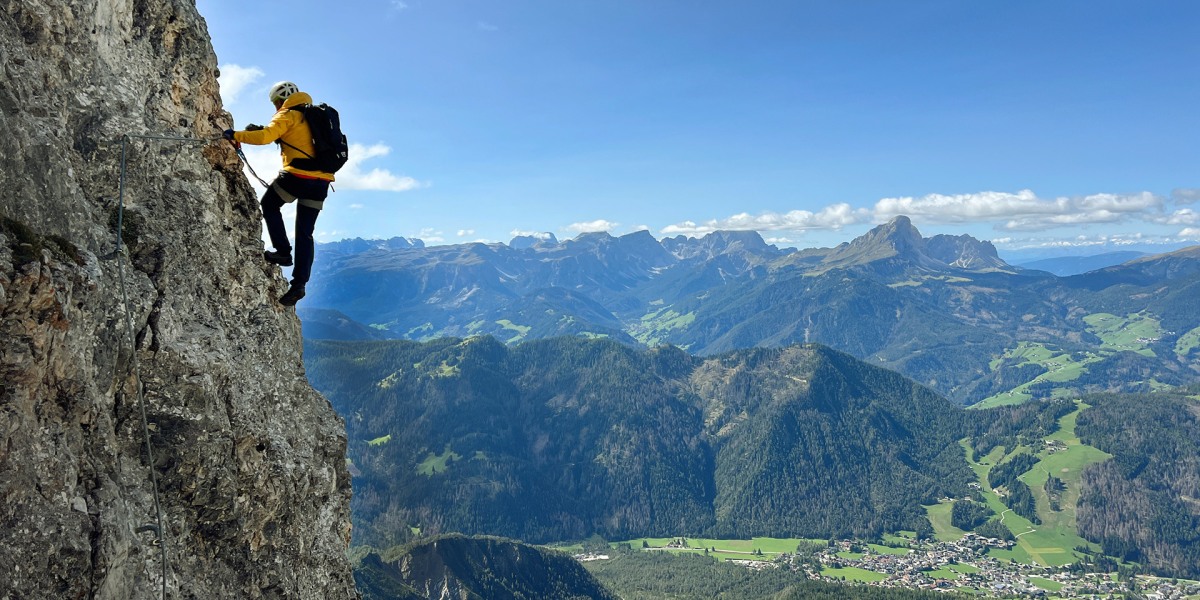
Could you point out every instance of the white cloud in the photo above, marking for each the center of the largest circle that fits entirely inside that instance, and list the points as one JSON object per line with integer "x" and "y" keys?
{"x": 353, "y": 176}
{"x": 1191, "y": 234}
{"x": 1098, "y": 241}
{"x": 266, "y": 162}
{"x": 485, "y": 26}
{"x": 1183, "y": 216}
{"x": 637, "y": 228}
{"x": 329, "y": 236}
{"x": 465, "y": 232}
{"x": 356, "y": 206}
{"x": 1185, "y": 195}
{"x": 1007, "y": 211}
{"x": 398, "y": 5}
{"x": 234, "y": 79}
{"x": 592, "y": 226}
{"x": 1023, "y": 210}
{"x": 833, "y": 217}
{"x": 431, "y": 235}
{"x": 538, "y": 235}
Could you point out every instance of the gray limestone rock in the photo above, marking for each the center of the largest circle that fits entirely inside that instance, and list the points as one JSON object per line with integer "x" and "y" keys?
{"x": 250, "y": 460}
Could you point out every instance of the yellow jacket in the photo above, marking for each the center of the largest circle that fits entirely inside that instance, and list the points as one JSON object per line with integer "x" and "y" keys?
{"x": 288, "y": 126}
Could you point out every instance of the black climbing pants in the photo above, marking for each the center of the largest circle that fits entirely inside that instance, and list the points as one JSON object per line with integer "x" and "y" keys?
{"x": 310, "y": 194}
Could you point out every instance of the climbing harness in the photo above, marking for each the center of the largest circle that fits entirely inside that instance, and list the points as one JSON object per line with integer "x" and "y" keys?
{"x": 158, "y": 529}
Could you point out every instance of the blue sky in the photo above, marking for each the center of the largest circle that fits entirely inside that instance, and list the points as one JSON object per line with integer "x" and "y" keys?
{"x": 1032, "y": 124}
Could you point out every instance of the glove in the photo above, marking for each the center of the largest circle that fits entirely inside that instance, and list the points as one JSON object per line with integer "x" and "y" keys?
{"x": 253, "y": 127}
{"x": 228, "y": 134}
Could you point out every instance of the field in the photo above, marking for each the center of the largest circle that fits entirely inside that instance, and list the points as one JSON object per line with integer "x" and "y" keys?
{"x": 1133, "y": 332}
{"x": 1060, "y": 367}
{"x": 731, "y": 549}
{"x": 435, "y": 463}
{"x": 653, "y": 326}
{"x": 520, "y": 330}
{"x": 1052, "y": 542}
{"x": 1188, "y": 342}
{"x": 854, "y": 574}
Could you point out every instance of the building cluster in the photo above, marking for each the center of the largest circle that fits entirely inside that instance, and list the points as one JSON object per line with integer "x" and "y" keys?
{"x": 964, "y": 565}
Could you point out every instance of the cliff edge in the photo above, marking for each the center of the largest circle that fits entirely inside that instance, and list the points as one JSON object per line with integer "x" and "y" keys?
{"x": 250, "y": 460}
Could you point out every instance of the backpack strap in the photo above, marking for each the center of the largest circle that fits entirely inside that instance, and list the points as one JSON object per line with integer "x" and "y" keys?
{"x": 299, "y": 107}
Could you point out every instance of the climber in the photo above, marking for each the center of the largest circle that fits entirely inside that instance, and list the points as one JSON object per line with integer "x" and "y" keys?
{"x": 309, "y": 188}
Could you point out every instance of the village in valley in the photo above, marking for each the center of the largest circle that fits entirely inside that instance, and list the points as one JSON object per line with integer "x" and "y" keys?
{"x": 963, "y": 566}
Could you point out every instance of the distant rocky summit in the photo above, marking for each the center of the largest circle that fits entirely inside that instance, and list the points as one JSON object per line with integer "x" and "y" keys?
{"x": 249, "y": 459}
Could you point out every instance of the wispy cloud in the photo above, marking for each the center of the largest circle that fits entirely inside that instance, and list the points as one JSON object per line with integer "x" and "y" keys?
{"x": 353, "y": 176}
{"x": 1023, "y": 210}
{"x": 1185, "y": 195}
{"x": 1011, "y": 211}
{"x": 465, "y": 232}
{"x": 1183, "y": 216}
{"x": 356, "y": 206}
{"x": 1098, "y": 241}
{"x": 592, "y": 226}
{"x": 537, "y": 235}
{"x": 485, "y": 26}
{"x": 398, "y": 5}
{"x": 431, "y": 235}
{"x": 833, "y": 217}
{"x": 235, "y": 79}
{"x": 329, "y": 236}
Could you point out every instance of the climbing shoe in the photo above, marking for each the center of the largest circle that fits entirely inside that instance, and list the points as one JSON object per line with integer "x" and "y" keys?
{"x": 293, "y": 295}
{"x": 283, "y": 259}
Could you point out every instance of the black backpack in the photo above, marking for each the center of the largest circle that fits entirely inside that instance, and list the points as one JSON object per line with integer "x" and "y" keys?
{"x": 329, "y": 143}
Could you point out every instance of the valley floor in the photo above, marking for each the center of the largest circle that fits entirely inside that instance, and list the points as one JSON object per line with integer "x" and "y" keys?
{"x": 962, "y": 566}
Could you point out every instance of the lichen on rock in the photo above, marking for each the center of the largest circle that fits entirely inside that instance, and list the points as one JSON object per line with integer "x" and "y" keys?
{"x": 250, "y": 460}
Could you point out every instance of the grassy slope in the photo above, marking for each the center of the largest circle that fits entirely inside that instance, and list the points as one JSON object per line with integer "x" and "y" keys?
{"x": 1060, "y": 367}
{"x": 1053, "y": 541}
{"x": 1129, "y": 333}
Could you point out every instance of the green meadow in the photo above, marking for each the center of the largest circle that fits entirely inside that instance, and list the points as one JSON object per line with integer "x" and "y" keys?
{"x": 728, "y": 549}
{"x": 436, "y": 463}
{"x": 1060, "y": 367}
{"x": 854, "y": 574}
{"x": 1132, "y": 332}
{"x": 1052, "y": 542}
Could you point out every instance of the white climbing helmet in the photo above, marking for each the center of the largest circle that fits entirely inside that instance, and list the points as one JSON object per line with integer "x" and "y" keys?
{"x": 281, "y": 91}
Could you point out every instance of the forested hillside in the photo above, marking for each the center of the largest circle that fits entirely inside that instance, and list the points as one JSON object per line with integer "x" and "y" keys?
{"x": 1144, "y": 504}
{"x": 565, "y": 438}
{"x": 656, "y": 575}
{"x": 474, "y": 568}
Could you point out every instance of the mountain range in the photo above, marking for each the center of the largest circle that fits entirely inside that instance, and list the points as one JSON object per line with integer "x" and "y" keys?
{"x": 946, "y": 310}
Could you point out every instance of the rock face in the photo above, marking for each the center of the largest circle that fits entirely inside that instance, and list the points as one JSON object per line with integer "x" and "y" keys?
{"x": 250, "y": 460}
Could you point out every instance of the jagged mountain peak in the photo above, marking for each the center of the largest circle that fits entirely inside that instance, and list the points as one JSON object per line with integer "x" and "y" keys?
{"x": 965, "y": 252}
{"x": 899, "y": 240}
{"x": 899, "y": 233}
{"x": 593, "y": 237}
{"x": 720, "y": 243}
